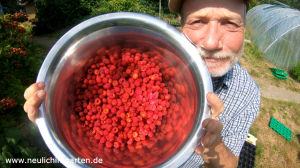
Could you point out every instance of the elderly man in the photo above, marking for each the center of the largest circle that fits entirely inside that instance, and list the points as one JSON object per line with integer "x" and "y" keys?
{"x": 217, "y": 28}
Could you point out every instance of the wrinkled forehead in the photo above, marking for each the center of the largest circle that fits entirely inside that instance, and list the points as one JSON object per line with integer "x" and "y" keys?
{"x": 235, "y": 7}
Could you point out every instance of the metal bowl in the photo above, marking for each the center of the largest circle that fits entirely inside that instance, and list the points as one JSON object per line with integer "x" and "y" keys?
{"x": 68, "y": 58}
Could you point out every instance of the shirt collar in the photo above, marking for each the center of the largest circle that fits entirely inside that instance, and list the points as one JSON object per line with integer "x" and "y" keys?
{"x": 224, "y": 81}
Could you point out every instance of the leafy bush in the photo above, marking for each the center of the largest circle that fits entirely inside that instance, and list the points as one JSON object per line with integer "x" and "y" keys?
{"x": 296, "y": 71}
{"x": 254, "y": 3}
{"x": 292, "y": 3}
{"x": 108, "y": 6}
{"x": 20, "y": 61}
{"x": 56, "y": 14}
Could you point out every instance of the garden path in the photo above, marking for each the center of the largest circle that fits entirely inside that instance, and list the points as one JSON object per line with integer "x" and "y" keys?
{"x": 46, "y": 42}
{"x": 270, "y": 91}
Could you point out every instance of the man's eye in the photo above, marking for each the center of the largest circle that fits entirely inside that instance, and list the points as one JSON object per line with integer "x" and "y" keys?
{"x": 198, "y": 22}
{"x": 230, "y": 25}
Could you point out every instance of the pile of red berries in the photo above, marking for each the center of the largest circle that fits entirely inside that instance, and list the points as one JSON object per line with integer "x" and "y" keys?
{"x": 126, "y": 97}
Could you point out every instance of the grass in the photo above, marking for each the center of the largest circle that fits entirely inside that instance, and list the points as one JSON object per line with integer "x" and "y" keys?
{"x": 273, "y": 150}
{"x": 258, "y": 68}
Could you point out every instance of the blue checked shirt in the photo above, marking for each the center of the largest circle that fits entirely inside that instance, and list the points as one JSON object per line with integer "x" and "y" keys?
{"x": 241, "y": 98}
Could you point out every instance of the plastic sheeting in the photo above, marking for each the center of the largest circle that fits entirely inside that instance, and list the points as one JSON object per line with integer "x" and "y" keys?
{"x": 275, "y": 30}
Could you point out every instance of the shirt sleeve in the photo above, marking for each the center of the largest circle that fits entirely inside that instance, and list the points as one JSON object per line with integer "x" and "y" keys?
{"x": 238, "y": 127}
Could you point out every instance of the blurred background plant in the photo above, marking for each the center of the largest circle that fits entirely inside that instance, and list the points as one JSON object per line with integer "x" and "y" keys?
{"x": 19, "y": 58}
{"x": 20, "y": 61}
{"x": 57, "y": 14}
{"x": 296, "y": 71}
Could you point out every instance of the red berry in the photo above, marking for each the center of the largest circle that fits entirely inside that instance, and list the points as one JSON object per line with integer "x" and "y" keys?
{"x": 97, "y": 101}
{"x": 135, "y": 75}
{"x": 116, "y": 145}
{"x": 108, "y": 144}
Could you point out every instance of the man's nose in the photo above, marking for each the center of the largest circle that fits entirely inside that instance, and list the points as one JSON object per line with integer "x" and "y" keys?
{"x": 212, "y": 40}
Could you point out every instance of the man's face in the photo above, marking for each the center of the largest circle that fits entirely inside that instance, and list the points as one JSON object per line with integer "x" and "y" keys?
{"x": 216, "y": 27}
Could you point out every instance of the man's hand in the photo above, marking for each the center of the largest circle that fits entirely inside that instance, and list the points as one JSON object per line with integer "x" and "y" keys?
{"x": 34, "y": 96}
{"x": 212, "y": 126}
{"x": 212, "y": 149}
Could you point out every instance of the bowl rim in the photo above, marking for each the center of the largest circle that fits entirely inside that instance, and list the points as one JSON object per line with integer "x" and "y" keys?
{"x": 60, "y": 151}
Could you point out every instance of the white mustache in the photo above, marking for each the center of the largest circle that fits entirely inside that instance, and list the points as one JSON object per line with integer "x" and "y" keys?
{"x": 215, "y": 55}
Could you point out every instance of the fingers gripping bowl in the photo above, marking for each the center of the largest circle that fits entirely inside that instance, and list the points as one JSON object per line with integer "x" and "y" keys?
{"x": 125, "y": 88}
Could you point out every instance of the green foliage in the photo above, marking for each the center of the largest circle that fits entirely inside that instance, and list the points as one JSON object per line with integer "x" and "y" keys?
{"x": 19, "y": 139}
{"x": 20, "y": 61}
{"x": 292, "y": 3}
{"x": 254, "y": 131}
{"x": 259, "y": 150}
{"x": 108, "y": 6}
{"x": 275, "y": 148}
{"x": 56, "y": 14}
{"x": 11, "y": 6}
{"x": 296, "y": 71}
{"x": 253, "y": 3}
{"x": 252, "y": 50}
{"x": 273, "y": 110}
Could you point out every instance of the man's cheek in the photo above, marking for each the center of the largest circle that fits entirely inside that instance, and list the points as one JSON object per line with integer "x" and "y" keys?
{"x": 233, "y": 43}
{"x": 193, "y": 35}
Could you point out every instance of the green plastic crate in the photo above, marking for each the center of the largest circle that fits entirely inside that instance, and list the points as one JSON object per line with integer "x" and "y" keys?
{"x": 281, "y": 129}
{"x": 280, "y": 74}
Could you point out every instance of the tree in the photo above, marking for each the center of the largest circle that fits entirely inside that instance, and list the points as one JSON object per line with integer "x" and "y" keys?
{"x": 11, "y": 6}
{"x": 57, "y": 14}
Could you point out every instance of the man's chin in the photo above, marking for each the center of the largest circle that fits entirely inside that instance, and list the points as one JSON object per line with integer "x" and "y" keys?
{"x": 221, "y": 67}
{"x": 219, "y": 71}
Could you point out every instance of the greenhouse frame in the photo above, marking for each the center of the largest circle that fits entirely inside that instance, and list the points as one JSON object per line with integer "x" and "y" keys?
{"x": 275, "y": 29}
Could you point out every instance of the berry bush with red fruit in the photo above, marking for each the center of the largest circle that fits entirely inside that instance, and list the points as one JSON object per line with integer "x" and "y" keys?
{"x": 20, "y": 61}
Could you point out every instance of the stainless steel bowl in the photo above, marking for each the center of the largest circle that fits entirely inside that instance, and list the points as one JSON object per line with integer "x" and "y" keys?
{"x": 69, "y": 56}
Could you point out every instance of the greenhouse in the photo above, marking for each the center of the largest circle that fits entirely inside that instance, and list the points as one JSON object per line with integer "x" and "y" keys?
{"x": 275, "y": 29}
